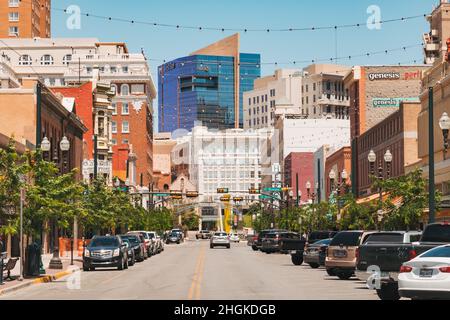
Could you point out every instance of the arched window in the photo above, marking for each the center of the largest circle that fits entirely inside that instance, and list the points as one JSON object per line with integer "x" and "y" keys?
{"x": 125, "y": 90}
{"x": 25, "y": 60}
{"x": 67, "y": 59}
{"x": 114, "y": 88}
{"x": 47, "y": 60}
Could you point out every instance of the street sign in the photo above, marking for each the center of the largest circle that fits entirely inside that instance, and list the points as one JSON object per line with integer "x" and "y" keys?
{"x": 192, "y": 194}
{"x": 161, "y": 194}
{"x": 223, "y": 190}
{"x": 263, "y": 196}
{"x": 272, "y": 189}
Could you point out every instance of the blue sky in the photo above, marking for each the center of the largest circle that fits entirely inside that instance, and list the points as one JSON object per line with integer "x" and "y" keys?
{"x": 167, "y": 43}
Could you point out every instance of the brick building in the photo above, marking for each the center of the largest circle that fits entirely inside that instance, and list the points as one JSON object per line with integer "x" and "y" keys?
{"x": 397, "y": 133}
{"x": 338, "y": 161}
{"x": 25, "y": 19}
{"x": 376, "y": 92}
{"x": 301, "y": 164}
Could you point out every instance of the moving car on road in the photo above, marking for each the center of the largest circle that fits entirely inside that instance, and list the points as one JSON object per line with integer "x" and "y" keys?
{"x": 220, "y": 239}
{"x": 234, "y": 237}
{"x": 203, "y": 234}
{"x": 390, "y": 256}
{"x": 105, "y": 252}
{"x": 173, "y": 237}
{"x": 137, "y": 246}
{"x": 180, "y": 232}
{"x": 427, "y": 276}
{"x": 315, "y": 254}
{"x": 342, "y": 251}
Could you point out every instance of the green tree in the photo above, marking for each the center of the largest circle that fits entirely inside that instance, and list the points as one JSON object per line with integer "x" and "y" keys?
{"x": 12, "y": 167}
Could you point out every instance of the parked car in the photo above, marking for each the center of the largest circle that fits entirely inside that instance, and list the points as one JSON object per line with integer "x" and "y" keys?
{"x": 234, "y": 237}
{"x": 220, "y": 239}
{"x": 315, "y": 236}
{"x": 426, "y": 276}
{"x": 341, "y": 254}
{"x": 147, "y": 242}
{"x": 130, "y": 253}
{"x": 105, "y": 252}
{"x": 273, "y": 241}
{"x": 173, "y": 237}
{"x": 159, "y": 243}
{"x": 155, "y": 246}
{"x": 137, "y": 245}
{"x": 258, "y": 238}
{"x": 315, "y": 254}
{"x": 384, "y": 246}
{"x": 389, "y": 257}
{"x": 203, "y": 234}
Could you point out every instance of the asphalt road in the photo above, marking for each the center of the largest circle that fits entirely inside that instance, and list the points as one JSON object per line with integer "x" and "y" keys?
{"x": 192, "y": 271}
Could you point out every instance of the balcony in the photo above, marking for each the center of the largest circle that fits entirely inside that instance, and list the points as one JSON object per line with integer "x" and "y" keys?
{"x": 332, "y": 100}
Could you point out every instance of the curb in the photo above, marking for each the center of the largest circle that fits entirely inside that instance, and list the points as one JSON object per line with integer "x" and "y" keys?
{"x": 44, "y": 279}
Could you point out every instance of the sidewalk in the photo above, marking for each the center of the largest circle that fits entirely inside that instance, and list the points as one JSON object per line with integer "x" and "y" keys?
{"x": 50, "y": 275}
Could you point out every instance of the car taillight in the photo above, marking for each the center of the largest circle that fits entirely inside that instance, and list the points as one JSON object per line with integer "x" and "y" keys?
{"x": 405, "y": 269}
{"x": 412, "y": 254}
{"x": 445, "y": 269}
{"x": 357, "y": 254}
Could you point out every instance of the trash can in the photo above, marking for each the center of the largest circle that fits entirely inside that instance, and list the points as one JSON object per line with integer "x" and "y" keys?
{"x": 33, "y": 260}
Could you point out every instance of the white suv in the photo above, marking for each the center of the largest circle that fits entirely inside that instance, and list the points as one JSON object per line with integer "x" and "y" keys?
{"x": 220, "y": 239}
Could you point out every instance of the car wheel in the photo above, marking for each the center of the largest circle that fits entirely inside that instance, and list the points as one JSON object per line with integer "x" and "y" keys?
{"x": 86, "y": 269}
{"x": 297, "y": 259}
{"x": 255, "y": 248}
{"x": 330, "y": 272}
{"x": 314, "y": 265}
{"x": 211, "y": 246}
{"x": 344, "y": 275}
{"x": 229, "y": 247}
{"x": 91, "y": 269}
{"x": 388, "y": 292}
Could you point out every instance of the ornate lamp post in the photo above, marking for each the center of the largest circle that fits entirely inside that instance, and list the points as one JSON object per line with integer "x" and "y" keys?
{"x": 372, "y": 159}
{"x": 444, "y": 123}
{"x": 45, "y": 147}
{"x": 64, "y": 146}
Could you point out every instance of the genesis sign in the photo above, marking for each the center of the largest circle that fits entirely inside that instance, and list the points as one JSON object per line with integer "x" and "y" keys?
{"x": 384, "y": 76}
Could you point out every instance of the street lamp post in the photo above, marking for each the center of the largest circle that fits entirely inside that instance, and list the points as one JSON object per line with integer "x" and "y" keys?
{"x": 64, "y": 145}
{"x": 444, "y": 123}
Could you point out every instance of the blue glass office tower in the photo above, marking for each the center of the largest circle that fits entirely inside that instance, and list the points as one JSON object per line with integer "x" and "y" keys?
{"x": 206, "y": 87}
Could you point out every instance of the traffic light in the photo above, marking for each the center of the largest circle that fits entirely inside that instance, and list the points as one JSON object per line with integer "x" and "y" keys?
{"x": 176, "y": 195}
{"x": 254, "y": 191}
{"x": 192, "y": 194}
{"x": 223, "y": 190}
{"x": 225, "y": 199}
{"x": 285, "y": 189}
{"x": 238, "y": 199}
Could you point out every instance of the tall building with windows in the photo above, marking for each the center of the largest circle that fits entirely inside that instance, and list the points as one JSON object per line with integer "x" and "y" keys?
{"x": 206, "y": 86}
{"x": 25, "y": 18}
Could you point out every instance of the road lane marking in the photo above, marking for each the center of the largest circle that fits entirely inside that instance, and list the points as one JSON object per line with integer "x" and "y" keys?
{"x": 196, "y": 273}
{"x": 199, "y": 280}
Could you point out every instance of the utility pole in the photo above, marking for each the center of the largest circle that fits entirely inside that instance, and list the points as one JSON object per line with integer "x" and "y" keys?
{"x": 432, "y": 191}
{"x": 297, "y": 191}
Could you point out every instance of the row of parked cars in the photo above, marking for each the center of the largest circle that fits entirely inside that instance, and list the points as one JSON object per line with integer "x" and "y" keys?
{"x": 121, "y": 251}
{"x": 408, "y": 264}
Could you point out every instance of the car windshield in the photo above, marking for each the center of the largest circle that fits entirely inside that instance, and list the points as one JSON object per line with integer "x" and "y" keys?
{"x": 151, "y": 235}
{"x": 132, "y": 240}
{"x": 385, "y": 237}
{"x": 441, "y": 252}
{"x": 325, "y": 242}
{"x": 346, "y": 239}
{"x": 173, "y": 234}
{"x": 436, "y": 233}
{"x": 105, "y": 242}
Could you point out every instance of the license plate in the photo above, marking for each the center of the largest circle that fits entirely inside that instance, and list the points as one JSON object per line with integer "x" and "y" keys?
{"x": 293, "y": 252}
{"x": 340, "y": 254}
{"x": 426, "y": 273}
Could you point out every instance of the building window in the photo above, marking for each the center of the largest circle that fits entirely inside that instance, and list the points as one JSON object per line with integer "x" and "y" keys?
{"x": 249, "y": 101}
{"x": 314, "y": 86}
{"x": 47, "y": 60}
{"x": 125, "y": 90}
{"x": 14, "y": 31}
{"x": 125, "y": 108}
{"x": 125, "y": 127}
{"x": 125, "y": 141}
{"x": 13, "y": 16}
{"x": 114, "y": 88}
{"x": 125, "y": 69}
{"x": 113, "y": 126}
{"x": 114, "y": 142}
{"x": 113, "y": 69}
{"x": 52, "y": 82}
{"x": 89, "y": 70}
{"x": 25, "y": 60}
{"x": 13, "y": 3}
{"x": 67, "y": 59}
{"x": 114, "y": 106}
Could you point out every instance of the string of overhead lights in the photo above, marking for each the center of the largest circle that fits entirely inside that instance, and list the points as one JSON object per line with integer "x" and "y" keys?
{"x": 241, "y": 29}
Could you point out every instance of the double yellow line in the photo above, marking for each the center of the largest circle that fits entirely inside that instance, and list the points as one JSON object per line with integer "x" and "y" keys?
{"x": 195, "y": 289}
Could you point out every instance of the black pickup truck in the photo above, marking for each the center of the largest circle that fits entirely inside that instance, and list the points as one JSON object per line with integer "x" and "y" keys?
{"x": 285, "y": 242}
{"x": 383, "y": 259}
